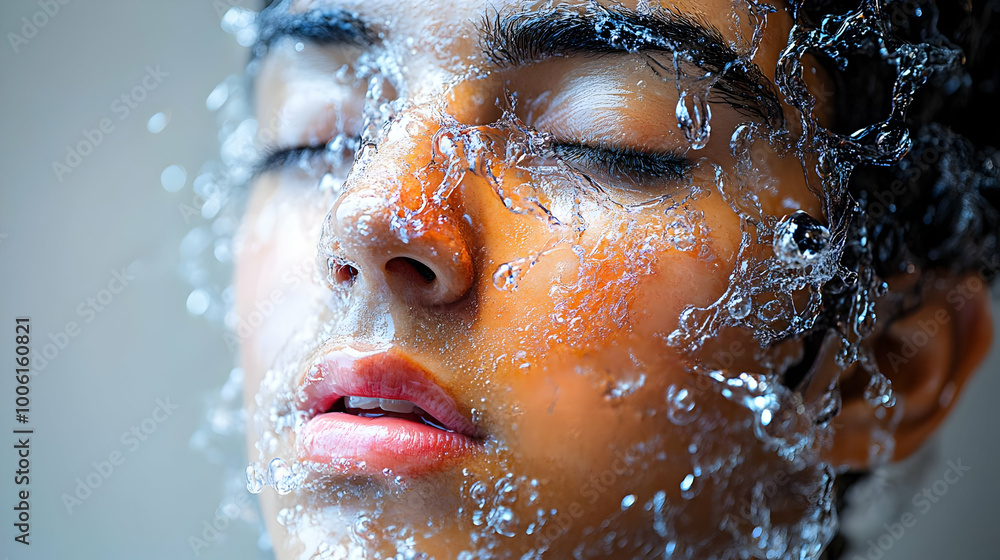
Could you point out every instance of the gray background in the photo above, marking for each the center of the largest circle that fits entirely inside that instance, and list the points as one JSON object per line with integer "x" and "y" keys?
{"x": 62, "y": 241}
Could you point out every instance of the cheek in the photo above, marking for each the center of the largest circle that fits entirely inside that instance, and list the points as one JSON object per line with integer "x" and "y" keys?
{"x": 275, "y": 276}
{"x": 597, "y": 325}
{"x": 636, "y": 275}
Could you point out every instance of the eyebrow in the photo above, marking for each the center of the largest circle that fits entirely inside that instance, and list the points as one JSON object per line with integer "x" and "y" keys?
{"x": 532, "y": 36}
{"x": 321, "y": 27}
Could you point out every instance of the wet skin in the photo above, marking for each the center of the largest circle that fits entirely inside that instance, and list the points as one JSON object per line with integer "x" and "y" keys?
{"x": 568, "y": 374}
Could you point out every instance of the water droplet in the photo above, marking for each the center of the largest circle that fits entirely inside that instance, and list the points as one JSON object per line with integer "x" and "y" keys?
{"x": 288, "y": 516}
{"x": 503, "y": 521}
{"x": 361, "y": 529}
{"x": 627, "y": 501}
{"x": 687, "y": 482}
{"x": 173, "y": 178}
{"x": 799, "y": 239}
{"x": 505, "y": 277}
{"x": 255, "y": 482}
{"x": 681, "y": 406}
{"x": 158, "y": 122}
{"x": 218, "y": 96}
{"x": 879, "y": 391}
{"x": 198, "y": 302}
{"x": 282, "y": 478}
{"x": 740, "y": 307}
{"x": 477, "y": 492}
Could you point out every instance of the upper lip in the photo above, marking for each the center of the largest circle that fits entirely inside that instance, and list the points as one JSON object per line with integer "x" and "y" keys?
{"x": 384, "y": 374}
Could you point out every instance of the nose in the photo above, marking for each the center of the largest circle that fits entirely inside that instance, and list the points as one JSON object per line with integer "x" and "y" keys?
{"x": 389, "y": 231}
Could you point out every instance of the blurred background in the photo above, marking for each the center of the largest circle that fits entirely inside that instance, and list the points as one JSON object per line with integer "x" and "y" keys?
{"x": 93, "y": 239}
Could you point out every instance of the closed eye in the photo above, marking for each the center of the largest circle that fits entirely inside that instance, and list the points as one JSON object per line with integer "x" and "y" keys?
{"x": 309, "y": 159}
{"x": 611, "y": 162}
{"x": 618, "y": 163}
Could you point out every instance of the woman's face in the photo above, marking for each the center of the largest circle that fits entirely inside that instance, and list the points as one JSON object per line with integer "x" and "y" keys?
{"x": 511, "y": 252}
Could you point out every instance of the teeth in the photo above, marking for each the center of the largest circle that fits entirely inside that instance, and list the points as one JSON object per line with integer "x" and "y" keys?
{"x": 393, "y": 405}
{"x": 389, "y": 405}
{"x": 362, "y": 402}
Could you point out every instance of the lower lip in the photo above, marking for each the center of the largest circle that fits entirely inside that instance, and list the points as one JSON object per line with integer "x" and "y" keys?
{"x": 375, "y": 444}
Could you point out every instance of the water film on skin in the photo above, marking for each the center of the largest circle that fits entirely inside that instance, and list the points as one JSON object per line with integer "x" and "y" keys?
{"x": 776, "y": 284}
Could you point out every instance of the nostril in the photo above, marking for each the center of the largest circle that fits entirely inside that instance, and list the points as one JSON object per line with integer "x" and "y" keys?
{"x": 347, "y": 272}
{"x": 402, "y": 265}
{"x": 341, "y": 273}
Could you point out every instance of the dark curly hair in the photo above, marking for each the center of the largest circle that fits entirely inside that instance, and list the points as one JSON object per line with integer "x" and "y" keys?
{"x": 937, "y": 208}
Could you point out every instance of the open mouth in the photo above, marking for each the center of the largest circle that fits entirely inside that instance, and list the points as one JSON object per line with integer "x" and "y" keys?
{"x": 370, "y": 407}
{"x": 376, "y": 411}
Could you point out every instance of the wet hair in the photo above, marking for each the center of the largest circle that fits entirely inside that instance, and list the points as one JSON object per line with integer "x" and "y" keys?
{"x": 939, "y": 206}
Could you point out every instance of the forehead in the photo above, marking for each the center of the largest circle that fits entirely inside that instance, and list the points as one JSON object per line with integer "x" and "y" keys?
{"x": 449, "y": 35}
{"x": 393, "y": 19}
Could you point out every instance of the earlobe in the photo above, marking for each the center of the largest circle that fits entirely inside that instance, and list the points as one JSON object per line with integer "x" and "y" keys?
{"x": 927, "y": 355}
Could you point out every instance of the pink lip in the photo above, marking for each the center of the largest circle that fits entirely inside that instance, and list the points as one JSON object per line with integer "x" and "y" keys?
{"x": 374, "y": 444}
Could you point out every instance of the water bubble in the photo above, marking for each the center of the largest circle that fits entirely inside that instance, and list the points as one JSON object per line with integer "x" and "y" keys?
{"x": 173, "y": 178}
{"x": 362, "y": 530}
{"x": 658, "y": 506}
{"x": 281, "y": 477}
{"x": 740, "y": 307}
{"x": 799, "y": 239}
{"x": 697, "y": 124}
{"x": 477, "y": 492}
{"x": 255, "y": 481}
{"x": 198, "y": 301}
{"x": 771, "y": 311}
{"x": 627, "y": 501}
{"x": 158, "y": 122}
{"x": 287, "y": 517}
{"x": 687, "y": 482}
{"x": 218, "y": 96}
{"x": 681, "y": 406}
{"x": 879, "y": 391}
{"x": 503, "y": 521}
{"x": 505, "y": 277}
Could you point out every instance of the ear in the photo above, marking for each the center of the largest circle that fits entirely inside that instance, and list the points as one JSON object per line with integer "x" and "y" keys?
{"x": 927, "y": 355}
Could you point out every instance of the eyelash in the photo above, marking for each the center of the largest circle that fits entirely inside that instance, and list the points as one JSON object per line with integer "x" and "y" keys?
{"x": 276, "y": 159}
{"x": 637, "y": 165}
